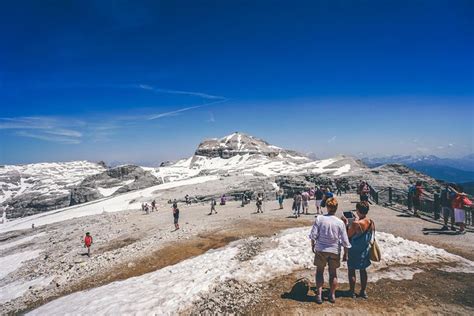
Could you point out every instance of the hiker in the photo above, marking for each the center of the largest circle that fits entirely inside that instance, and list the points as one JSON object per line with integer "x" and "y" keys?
{"x": 244, "y": 199}
{"x": 360, "y": 234}
{"x": 147, "y": 210}
{"x": 187, "y": 200}
{"x": 364, "y": 191}
{"x": 280, "y": 198}
{"x": 223, "y": 199}
{"x": 213, "y": 206}
{"x": 447, "y": 197}
{"x": 296, "y": 204}
{"x": 305, "y": 202}
{"x": 318, "y": 196}
{"x": 88, "y": 243}
{"x": 327, "y": 236}
{"x": 176, "y": 217}
{"x": 175, "y": 203}
{"x": 417, "y": 198}
{"x": 259, "y": 202}
{"x": 153, "y": 206}
{"x": 338, "y": 188}
{"x": 411, "y": 192}
{"x": 458, "y": 204}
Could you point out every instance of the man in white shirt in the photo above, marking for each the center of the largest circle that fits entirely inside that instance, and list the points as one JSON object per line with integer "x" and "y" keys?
{"x": 327, "y": 236}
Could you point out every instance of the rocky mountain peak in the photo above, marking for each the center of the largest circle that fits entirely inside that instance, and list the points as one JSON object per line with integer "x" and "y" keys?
{"x": 236, "y": 144}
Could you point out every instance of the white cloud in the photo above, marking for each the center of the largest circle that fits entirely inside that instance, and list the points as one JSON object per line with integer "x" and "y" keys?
{"x": 332, "y": 139}
{"x": 50, "y": 138}
{"x": 181, "y": 92}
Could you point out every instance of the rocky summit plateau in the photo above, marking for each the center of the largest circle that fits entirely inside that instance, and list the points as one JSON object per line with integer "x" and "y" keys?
{"x": 229, "y": 165}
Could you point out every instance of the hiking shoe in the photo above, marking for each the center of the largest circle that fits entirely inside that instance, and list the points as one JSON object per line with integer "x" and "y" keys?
{"x": 453, "y": 228}
{"x": 332, "y": 300}
{"x": 351, "y": 294}
{"x": 319, "y": 300}
{"x": 363, "y": 295}
{"x": 444, "y": 227}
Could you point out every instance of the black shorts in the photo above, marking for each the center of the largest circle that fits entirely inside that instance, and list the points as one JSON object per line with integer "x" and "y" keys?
{"x": 176, "y": 219}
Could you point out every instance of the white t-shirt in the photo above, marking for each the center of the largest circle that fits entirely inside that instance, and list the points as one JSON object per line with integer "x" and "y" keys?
{"x": 329, "y": 233}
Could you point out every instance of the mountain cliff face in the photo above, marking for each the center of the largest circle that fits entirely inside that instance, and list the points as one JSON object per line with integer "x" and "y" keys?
{"x": 36, "y": 188}
{"x": 33, "y": 188}
{"x": 239, "y": 144}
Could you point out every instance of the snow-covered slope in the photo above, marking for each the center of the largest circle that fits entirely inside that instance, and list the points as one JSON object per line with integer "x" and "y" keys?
{"x": 246, "y": 155}
{"x": 42, "y": 185}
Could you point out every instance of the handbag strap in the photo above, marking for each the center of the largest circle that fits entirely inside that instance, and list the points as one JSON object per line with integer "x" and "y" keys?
{"x": 372, "y": 228}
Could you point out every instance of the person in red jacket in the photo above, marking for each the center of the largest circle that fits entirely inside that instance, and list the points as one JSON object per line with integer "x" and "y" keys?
{"x": 88, "y": 243}
{"x": 458, "y": 204}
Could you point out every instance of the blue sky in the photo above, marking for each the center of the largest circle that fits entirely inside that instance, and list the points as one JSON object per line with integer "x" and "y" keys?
{"x": 146, "y": 81}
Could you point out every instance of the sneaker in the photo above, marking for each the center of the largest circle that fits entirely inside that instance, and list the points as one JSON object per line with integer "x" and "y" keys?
{"x": 363, "y": 295}
{"x": 444, "y": 227}
{"x": 319, "y": 300}
{"x": 453, "y": 228}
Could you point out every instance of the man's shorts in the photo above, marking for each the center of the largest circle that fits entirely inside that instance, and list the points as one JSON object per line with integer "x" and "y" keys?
{"x": 321, "y": 259}
{"x": 318, "y": 203}
{"x": 176, "y": 219}
{"x": 305, "y": 203}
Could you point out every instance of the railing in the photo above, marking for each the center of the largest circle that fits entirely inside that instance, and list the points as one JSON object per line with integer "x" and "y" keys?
{"x": 430, "y": 203}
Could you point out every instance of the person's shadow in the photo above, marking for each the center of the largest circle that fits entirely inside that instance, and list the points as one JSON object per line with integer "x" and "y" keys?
{"x": 438, "y": 231}
{"x": 300, "y": 292}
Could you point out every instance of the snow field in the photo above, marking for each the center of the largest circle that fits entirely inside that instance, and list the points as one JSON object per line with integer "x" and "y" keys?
{"x": 174, "y": 288}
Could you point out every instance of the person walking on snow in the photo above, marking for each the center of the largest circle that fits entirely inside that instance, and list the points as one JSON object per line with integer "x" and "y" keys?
{"x": 88, "y": 243}
{"x": 153, "y": 206}
{"x": 213, "y": 206}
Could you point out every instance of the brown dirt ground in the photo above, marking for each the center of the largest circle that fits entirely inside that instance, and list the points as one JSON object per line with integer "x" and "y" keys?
{"x": 430, "y": 292}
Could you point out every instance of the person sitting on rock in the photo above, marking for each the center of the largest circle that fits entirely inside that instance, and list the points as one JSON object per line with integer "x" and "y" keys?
{"x": 88, "y": 243}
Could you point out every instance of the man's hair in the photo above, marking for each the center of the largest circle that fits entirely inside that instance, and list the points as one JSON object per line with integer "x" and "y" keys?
{"x": 363, "y": 207}
{"x": 331, "y": 205}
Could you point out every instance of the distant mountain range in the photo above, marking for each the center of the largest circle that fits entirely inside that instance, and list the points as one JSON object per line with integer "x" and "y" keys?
{"x": 458, "y": 170}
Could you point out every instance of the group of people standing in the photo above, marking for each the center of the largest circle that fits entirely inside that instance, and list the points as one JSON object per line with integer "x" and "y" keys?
{"x": 453, "y": 201}
{"x": 301, "y": 200}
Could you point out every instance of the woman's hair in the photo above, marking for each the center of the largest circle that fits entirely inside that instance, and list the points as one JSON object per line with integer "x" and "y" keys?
{"x": 331, "y": 204}
{"x": 363, "y": 207}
